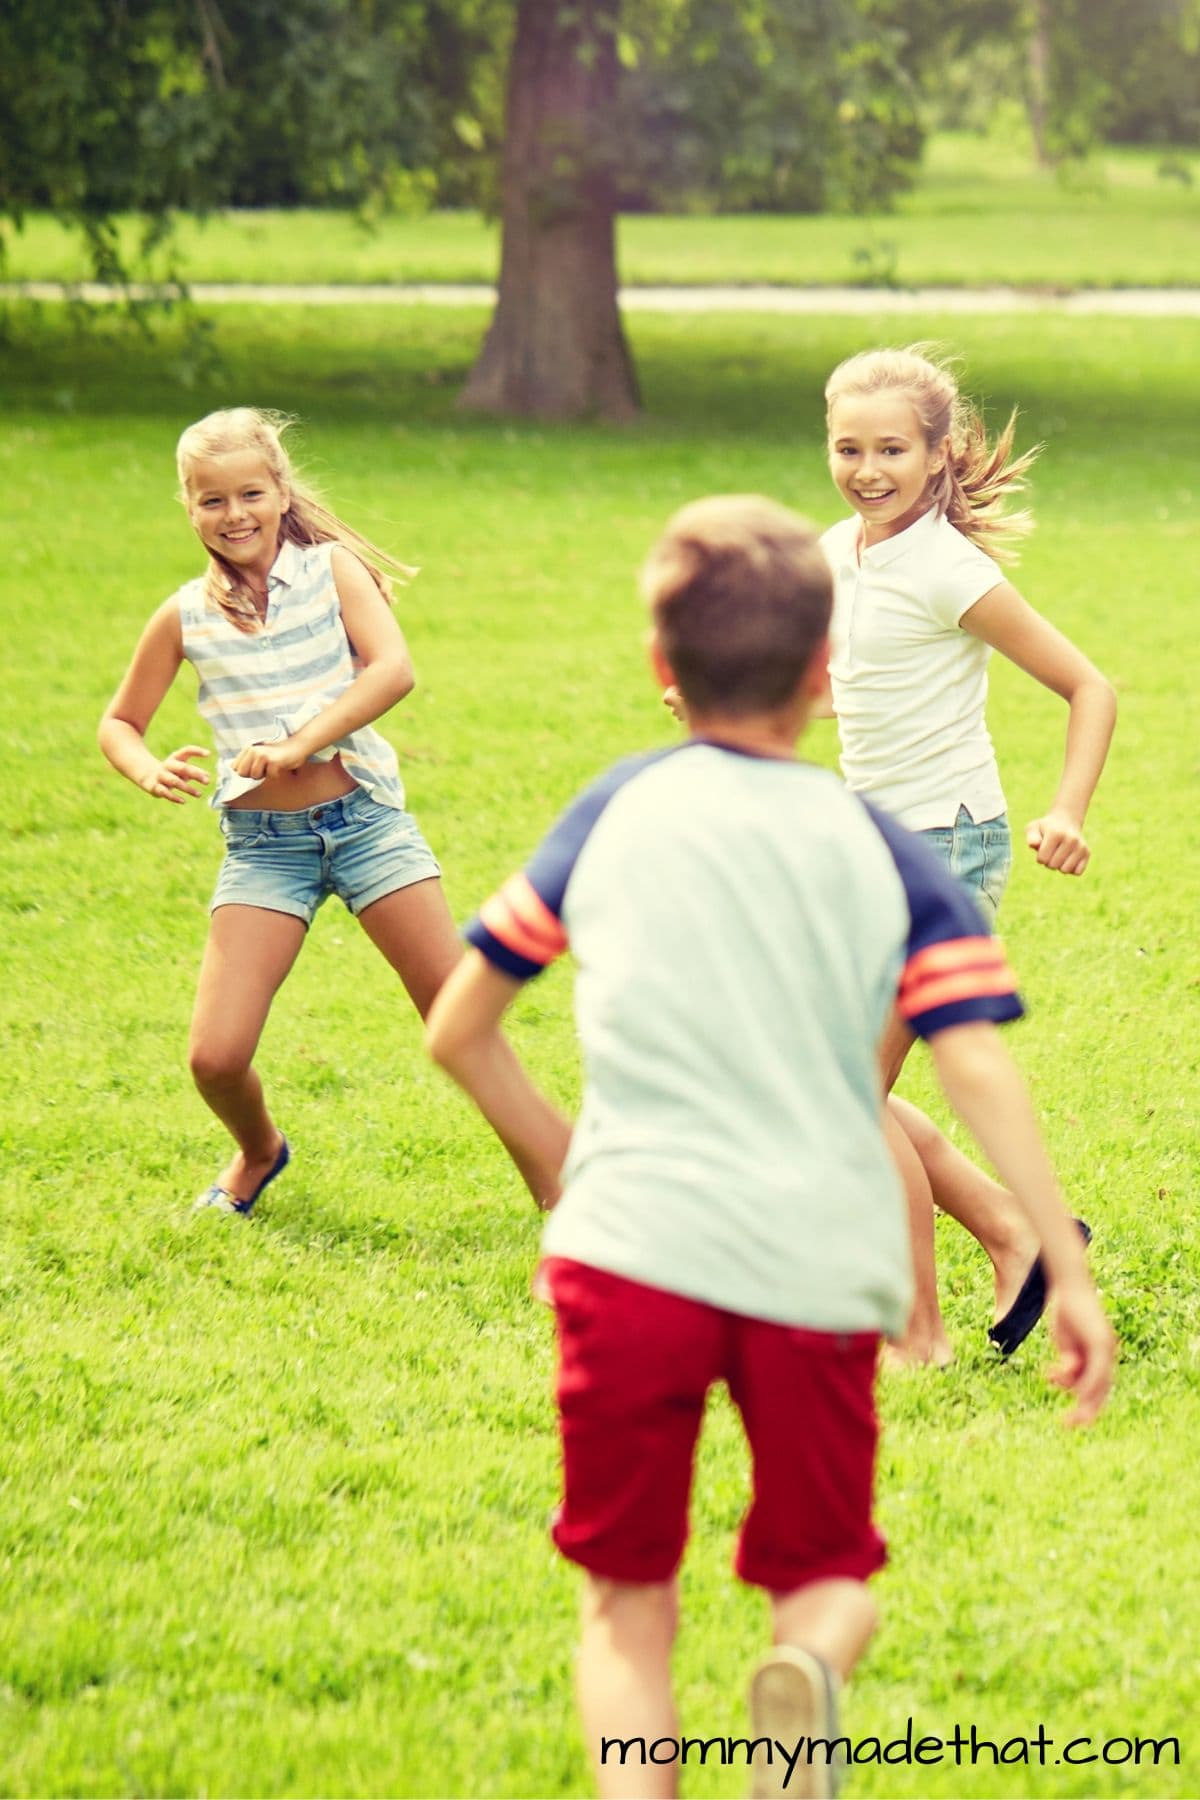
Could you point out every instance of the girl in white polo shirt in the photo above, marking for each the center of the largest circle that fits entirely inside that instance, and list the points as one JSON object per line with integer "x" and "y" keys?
{"x": 920, "y": 603}
{"x": 297, "y": 653}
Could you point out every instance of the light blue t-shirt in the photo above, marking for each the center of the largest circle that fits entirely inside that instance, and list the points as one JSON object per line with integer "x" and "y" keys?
{"x": 741, "y": 926}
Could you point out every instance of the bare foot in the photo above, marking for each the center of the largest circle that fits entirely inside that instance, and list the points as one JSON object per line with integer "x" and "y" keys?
{"x": 921, "y": 1347}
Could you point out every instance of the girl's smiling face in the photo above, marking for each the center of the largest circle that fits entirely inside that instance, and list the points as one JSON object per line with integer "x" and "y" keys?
{"x": 880, "y": 461}
{"x": 235, "y": 506}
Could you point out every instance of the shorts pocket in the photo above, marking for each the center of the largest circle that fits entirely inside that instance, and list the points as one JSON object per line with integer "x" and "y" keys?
{"x": 239, "y": 840}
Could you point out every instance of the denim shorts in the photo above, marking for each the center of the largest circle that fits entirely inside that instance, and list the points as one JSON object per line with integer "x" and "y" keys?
{"x": 290, "y": 862}
{"x": 978, "y": 856}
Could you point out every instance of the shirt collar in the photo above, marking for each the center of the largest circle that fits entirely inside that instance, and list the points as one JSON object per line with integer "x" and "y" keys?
{"x": 879, "y": 555}
{"x": 284, "y": 568}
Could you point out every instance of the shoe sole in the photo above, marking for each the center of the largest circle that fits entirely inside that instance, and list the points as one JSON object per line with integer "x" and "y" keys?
{"x": 791, "y": 1699}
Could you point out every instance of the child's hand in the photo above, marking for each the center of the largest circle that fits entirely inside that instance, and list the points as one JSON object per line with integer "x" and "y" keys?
{"x": 673, "y": 701}
{"x": 258, "y": 762}
{"x": 540, "y": 1287}
{"x": 1087, "y": 1350}
{"x": 174, "y": 778}
{"x": 1059, "y": 842}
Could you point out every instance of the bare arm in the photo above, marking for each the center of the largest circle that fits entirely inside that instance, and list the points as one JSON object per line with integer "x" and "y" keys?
{"x": 127, "y": 717}
{"x": 386, "y": 675}
{"x": 985, "y": 1089}
{"x": 1003, "y": 619}
{"x": 463, "y": 1034}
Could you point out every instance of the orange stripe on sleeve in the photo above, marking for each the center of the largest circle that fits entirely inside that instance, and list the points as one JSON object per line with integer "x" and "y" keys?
{"x": 521, "y": 920}
{"x": 940, "y": 959}
{"x": 945, "y": 990}
{"x": 974, "y": 957}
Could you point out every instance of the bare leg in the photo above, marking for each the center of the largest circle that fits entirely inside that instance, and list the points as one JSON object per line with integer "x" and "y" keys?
{"x": 925, "y": 1339}
{"x": 834, "y": 1619}
{"x": 793, "y": 1712}
{"x": 623, "y": 1680}
{"x": 987, "y": 1210}
{"x": 414, "y": 931}
{"x": 947, "y": 1179}
{"x": 249, "y": 952}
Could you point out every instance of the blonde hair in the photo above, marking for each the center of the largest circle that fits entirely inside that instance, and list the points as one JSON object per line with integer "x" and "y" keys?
{"x": 307, "y": 519}
{"x": 740, "y": 594}
{"x": 973, "y": 485}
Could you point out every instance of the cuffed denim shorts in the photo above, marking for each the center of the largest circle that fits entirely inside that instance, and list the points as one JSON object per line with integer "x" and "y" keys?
{"x": 979, "y": 856}
{"x": 290, "y": 862}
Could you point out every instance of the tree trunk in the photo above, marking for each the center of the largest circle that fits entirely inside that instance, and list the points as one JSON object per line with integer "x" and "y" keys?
{"x": 1039, "y": 83}
{"x": 555, "y": 348}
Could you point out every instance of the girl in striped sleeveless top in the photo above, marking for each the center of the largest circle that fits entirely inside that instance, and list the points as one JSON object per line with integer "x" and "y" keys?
{"x": 297, "y": 652}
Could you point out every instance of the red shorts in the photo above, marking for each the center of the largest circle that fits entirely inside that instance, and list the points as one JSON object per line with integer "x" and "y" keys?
{"x": 635, "y": 1366}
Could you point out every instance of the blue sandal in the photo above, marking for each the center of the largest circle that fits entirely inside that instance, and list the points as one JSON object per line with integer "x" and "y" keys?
{"x": 1010, "y": 1332}
{"x": 219, "y": 1199}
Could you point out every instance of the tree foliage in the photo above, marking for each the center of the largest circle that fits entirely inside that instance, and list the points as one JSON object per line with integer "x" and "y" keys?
{"x": 1087, "y": 71}
{"x": 769, "y": 105}
{"x": 151, "y": 105}
{"x": 1143, "y": 67}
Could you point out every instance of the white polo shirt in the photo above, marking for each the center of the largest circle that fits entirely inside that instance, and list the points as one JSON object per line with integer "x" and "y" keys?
{"x": 909, "y": 684}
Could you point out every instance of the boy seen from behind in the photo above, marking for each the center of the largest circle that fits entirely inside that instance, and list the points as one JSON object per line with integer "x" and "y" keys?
{"x": 729, "y": 1211}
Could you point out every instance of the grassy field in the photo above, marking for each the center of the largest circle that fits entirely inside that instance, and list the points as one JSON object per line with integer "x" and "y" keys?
{"x": 273, "y": 1495}
{"x": 979, "y": 215}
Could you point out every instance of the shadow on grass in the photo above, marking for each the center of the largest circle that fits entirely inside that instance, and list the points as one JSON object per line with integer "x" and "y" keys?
{"x": 752, "y": 376}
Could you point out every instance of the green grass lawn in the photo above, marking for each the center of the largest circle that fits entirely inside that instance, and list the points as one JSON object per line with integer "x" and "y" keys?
{"x": 273, "y": 1495}
{"x": 979, "y": 215}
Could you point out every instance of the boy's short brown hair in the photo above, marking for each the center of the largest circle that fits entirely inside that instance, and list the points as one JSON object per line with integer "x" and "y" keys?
{"x": 740, "y": 594}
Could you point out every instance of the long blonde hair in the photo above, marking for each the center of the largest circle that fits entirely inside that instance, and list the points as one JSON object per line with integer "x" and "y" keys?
{"x": 307, "y": 519}
{"x": 974, "y": 484}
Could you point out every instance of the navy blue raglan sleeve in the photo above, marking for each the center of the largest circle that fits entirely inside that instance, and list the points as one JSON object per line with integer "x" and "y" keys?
{"x": 520, "y": 929}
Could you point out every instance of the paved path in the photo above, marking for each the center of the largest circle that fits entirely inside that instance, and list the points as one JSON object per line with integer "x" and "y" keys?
{"x": 1115, "y": 302}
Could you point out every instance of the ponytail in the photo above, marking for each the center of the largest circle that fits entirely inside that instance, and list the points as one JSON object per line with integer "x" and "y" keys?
{"x": 972, "y": 488}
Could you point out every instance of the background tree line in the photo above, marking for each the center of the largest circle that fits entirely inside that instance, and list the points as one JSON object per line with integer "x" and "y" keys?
{"x": 554, "y": 114}
{"x": 732, "y": 105}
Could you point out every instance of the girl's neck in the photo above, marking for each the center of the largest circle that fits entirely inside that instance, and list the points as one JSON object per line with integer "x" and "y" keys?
{"x": 870, "y": 535}
{"x": 255, "y": 577}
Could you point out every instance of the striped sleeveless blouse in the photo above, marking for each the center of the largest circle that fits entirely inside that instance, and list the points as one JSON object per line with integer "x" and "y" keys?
{"x": 261, "y": 686}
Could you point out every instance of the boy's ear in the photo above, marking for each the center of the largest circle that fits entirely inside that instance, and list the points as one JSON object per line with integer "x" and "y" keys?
{"x": 814, "y": 683}
{"x": 664, "y": 674}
